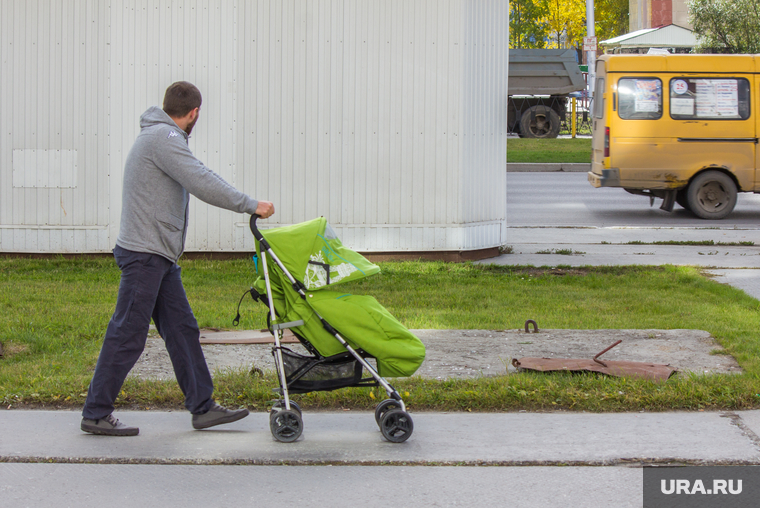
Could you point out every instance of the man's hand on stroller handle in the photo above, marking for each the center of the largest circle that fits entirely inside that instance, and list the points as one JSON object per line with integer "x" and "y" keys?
{"x": 265, "y": 209}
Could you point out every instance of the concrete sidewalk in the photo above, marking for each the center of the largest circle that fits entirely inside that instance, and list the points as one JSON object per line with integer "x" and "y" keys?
{"x": 352, "y": 438}
{"x": 727, "y": 260}
{"x": 584, "y": 254}
{"x": 591, "y": 246}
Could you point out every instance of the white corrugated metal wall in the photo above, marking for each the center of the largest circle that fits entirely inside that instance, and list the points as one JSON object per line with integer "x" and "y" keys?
{"x": 54, "y": 194}
{"x": 153, "y": 44}
{"x": 387, "y": 117}
{"x": 484, "y": 106}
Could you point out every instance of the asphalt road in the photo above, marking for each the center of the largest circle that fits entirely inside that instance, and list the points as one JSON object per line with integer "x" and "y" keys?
{"x": 146, "y": 486}
{"x": 567, "y": 199}
{"x": 553, "y": 214}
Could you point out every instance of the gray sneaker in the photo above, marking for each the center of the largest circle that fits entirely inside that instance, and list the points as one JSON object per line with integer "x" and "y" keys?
{"x": 218, "y": 415}
{"x": 108, "y": 426}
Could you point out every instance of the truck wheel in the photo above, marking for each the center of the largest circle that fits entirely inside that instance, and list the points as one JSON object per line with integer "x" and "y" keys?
{"x": 711, "y": 195}
{"x": 539, "y": 122}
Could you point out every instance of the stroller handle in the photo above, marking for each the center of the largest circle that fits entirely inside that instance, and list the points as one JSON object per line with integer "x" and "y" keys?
{"x": 255, "y": 230}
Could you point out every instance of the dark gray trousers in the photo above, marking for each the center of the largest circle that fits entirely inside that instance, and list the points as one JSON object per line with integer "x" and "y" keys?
{"x": 150, "y": 287}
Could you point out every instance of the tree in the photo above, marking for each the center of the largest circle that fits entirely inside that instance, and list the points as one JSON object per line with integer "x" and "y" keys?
{"x": 726, "y": 26}
{"x": 611, "y": 18}
{"x": 526, "y": 28}
{"x": 566, "y": 20}
{"x": 562, "y": 23}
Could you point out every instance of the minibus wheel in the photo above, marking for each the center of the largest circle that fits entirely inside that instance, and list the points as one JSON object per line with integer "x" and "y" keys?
{"x": 711, "y": 195}
{"x": 682, "y": 199}
{"x": 539, "y": 122}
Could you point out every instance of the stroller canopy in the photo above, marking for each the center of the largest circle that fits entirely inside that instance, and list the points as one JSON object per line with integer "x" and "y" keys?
{"x": 315, "y": 256}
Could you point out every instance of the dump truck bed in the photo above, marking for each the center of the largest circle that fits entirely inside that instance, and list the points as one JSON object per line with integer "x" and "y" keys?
{"x": 544, "y": 72}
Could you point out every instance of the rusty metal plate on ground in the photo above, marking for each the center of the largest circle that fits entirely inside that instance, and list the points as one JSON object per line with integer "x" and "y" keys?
{"x": 210, "y": 336}
{"x": 653, "y": 371}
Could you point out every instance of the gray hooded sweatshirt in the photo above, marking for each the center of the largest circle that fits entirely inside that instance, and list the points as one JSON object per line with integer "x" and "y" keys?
{"x": 159, "y": 175}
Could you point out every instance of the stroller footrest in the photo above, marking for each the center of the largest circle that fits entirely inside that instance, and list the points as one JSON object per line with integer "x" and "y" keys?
{"x": 285, "y": 326}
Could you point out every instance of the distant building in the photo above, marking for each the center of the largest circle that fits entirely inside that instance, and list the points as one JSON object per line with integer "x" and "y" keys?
{"x": 645, "y": 14}
{"x": 670, "y": 38}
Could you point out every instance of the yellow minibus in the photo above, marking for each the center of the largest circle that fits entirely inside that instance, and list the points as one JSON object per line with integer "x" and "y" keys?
{"x": 683, "y": 128}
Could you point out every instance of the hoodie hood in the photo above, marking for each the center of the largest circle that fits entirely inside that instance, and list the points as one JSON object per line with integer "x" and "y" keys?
{"x": 155, "y": 116}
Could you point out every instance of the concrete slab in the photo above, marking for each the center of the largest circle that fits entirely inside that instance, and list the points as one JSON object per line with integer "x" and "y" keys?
{"x": 353, "y": 438}
{"x": 610, "y": 246}
{"x": 476, "y": 353}
{"x": 746, "y": 280}
{"x": 243, "y": 337}
{"x": 614, "y": 255}
{"x": 473, "y": 353}
{"x": 751, "y": 421}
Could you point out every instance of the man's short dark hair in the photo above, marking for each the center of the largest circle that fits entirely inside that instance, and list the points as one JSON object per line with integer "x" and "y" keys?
{"x": 181, "y": 98}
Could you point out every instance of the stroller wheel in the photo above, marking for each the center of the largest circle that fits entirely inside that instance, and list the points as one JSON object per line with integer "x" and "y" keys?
{"x": 286, "y": 426}
{"x": 279, "y": 405}
{"x": 383, "y": 408}
{"x": 396, "y": 426}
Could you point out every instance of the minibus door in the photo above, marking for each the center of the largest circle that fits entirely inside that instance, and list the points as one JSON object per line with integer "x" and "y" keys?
{"x": 600, "y": 126}
{"x": 755, "y": 99}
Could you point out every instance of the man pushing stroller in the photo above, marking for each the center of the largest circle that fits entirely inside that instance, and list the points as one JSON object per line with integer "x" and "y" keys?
{"x": 160, "y": 173}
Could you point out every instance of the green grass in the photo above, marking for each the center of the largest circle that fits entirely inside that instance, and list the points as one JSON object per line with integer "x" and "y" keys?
{"x": 562, "y": 252}
{"x": 54, "y": 314}
{"x": 549, "y": 150}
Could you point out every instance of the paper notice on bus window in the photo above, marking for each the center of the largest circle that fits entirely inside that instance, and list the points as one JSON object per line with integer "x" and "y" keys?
{"x": 682, "y": 107}
{"x": 648, "y": 93}
{"x": 727, "y": 95}
{"x": 706, "y": 99}
{"x": 647, "y": 106}
{"x": 717, "y": 98}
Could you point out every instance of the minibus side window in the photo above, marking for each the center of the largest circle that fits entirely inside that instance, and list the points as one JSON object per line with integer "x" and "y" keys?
{"x": 640, "y": 98}
{"x": 709, "y": 99}
{"x": 598, "y": 98}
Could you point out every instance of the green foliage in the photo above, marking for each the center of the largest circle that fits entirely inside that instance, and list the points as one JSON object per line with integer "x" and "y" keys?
{"x": 527, "y": 29}
{"x": 726, "y": 26}
{"x": 611, "y": 18}
{"x": 562, "y": 23}
{"x": 566, "y": 20}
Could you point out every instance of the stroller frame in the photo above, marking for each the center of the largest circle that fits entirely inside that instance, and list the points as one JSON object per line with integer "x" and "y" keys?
{"x": 285, "y": 419}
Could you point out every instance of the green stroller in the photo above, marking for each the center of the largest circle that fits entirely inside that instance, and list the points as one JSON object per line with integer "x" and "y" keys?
{"x": 297, "y": 266}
